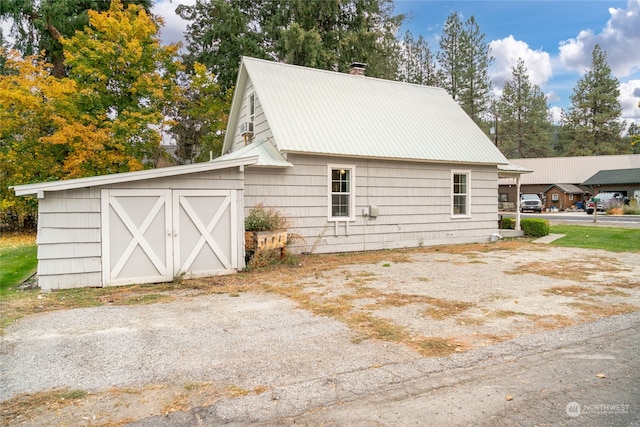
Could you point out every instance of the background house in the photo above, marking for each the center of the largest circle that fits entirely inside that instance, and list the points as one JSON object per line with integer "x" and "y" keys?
{"x": 563, "y": 197}
{"x": 624, "y": 181}
{"x": 358, "y": 163}
{"x": 562, "y": 172}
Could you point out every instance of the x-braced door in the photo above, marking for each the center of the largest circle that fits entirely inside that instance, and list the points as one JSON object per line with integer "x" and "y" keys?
{"x": 137, "y": 236}
{"x": 153, "y": 235}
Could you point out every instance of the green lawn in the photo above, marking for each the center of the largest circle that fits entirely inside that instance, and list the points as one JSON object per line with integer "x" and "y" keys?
{"x": 17, "y": 263}
{"x": 614, "y": 239}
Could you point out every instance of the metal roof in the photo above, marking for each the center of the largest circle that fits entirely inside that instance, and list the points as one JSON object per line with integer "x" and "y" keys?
{"x": 94, "y": 181}
{"x": 325, "y": 112}
{"x": 572, "y": 170}
{"x": 566, "y": 188}
{"x": 615, "y": 176}
{"x": 267, "y": 154}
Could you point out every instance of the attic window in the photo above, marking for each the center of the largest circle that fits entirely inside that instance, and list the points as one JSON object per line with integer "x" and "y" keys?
{"x": 252, "y": 108}
{"x": 341, "y": 192}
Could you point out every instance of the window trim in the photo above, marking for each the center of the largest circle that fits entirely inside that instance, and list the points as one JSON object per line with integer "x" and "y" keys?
{"x": 352, "y": 192}
{"x": 555, "y": 197}
{"x": 251, "y": 106}
{"x": 467, "y": 194}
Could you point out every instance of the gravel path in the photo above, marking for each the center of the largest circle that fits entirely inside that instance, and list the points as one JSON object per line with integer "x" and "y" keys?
{"x": 141, "y": 361}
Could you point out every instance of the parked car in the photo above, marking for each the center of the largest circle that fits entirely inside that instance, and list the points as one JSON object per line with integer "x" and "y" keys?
{"x": 530, "y": 202}
{"x": 605, "y": 202}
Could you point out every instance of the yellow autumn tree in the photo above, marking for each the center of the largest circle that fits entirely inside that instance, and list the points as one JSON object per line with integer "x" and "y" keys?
{"x": 103, "y": 118}
{"x": 125, "y": 81}
{"x": 29, "y": 102}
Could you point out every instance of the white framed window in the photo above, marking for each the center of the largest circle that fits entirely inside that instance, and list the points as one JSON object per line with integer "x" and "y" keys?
{"x": 341, "y": 194}
{"x": 554, "y": 197}
{"x": 252, "y": 108}
{"x": 570, "y": 196}
{"x": 460, "y": 194}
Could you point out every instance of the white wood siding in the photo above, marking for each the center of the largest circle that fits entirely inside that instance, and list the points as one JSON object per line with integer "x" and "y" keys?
{"x": 261, "y": 129}
{"x": 414, "y": 201}
{"x": 69, "y": 226}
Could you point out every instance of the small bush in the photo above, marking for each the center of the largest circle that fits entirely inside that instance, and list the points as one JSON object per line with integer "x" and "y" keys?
{"x": 535, "y": 227}
{"x": 508, "y": 223}
{"x": 263, "y": 219}
{"x": 632, "y": 208}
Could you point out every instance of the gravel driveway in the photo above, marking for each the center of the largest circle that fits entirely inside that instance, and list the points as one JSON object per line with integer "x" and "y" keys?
{"x": 139, "y": 361}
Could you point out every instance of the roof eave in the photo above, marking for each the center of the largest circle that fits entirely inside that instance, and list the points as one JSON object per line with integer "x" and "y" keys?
{"x": 101, "y": 180}
{"x": 396, "y": 159}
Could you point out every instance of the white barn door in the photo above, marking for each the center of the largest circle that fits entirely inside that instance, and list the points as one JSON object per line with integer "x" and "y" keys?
{"x": 153, "y": 235}
{"x": 136, "y": 236}
{"x": 206, "y": 227}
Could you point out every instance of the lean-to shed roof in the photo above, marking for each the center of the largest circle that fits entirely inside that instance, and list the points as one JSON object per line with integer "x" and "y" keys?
{"x": 324, "y": 112}
{"x": 94, "y": 181}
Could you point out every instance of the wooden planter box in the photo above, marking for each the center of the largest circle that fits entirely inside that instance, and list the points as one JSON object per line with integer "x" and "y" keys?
{"x": 260, "y": 240}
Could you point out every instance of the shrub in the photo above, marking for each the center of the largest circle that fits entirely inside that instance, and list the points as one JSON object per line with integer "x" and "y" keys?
{"x": 263, "y": 219}
{"x": 632, "y": 208}
{"x": 535, "y": 227}
{"x": 508, "y": 223}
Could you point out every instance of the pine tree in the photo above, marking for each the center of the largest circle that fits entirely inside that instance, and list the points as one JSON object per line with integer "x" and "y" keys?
{"x": 523, "y": 110}
{"x": 417, "y": 62}
{"x": 592, "y": 124}
{"x": 464, "y": 59}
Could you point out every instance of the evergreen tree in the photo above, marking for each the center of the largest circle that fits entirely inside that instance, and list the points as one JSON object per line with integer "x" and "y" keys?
{"x": 464, "y": 60}
{"x": 633, "y": 136}
{"x": 320, "y": 34}
{"x": 592, "y": 124}
{"x": 523, "y": 110}
{"x": 417, "y": 62}
{"x": 40, "y": 25}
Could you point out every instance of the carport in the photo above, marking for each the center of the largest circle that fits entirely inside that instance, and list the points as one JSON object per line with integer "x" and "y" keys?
{"x": 140, "y": 227}
{"x": 514, "y": 172}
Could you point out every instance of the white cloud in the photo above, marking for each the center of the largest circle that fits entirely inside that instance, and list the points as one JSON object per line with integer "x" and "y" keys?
{"x": 174, "y": 26}
{"x": 556, "y": 114}
{"x": 619, "y": 39}
{"x": 629, "y": 99}
{"x": 506, "y": 53}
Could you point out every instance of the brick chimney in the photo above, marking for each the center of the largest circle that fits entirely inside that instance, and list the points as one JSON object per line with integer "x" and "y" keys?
{"x": 357, "y": 68}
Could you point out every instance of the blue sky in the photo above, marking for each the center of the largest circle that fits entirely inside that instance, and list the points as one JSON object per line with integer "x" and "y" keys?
{"x": 555, "y": 38}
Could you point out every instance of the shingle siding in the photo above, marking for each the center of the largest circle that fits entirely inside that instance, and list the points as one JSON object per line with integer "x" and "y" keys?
{"x": 414, "y": 201}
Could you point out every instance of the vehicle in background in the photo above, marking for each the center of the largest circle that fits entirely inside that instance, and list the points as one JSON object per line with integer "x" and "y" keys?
{"x": 605, "y": 201}
{"x": 530, "y": 202}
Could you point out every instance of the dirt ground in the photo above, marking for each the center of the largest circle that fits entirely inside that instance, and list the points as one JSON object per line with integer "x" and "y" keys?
{"x": 327, "y": 315}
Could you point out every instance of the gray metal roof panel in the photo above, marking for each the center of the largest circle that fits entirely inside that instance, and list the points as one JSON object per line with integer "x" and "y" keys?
{"x": 325, "y": 112}
{"x": 614, "y": 176}
{"x": 574, "y": 170}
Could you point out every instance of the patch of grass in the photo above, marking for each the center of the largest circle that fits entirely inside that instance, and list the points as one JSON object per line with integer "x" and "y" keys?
{"x": 507, "y": 313}
{"x": 23, "y": 405}
{"x": 568, "y": 269}
{"x": 18, "y": 258}
{"x": 593, "y": 311}
{"x": 437, "y": 346}
{"x": 441, "y": 308}
{"x": 575, "y": 290}
{"x": 555, "y": 321}
{"x": 236, "y": 391}
{"x": 615, "y": 239}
